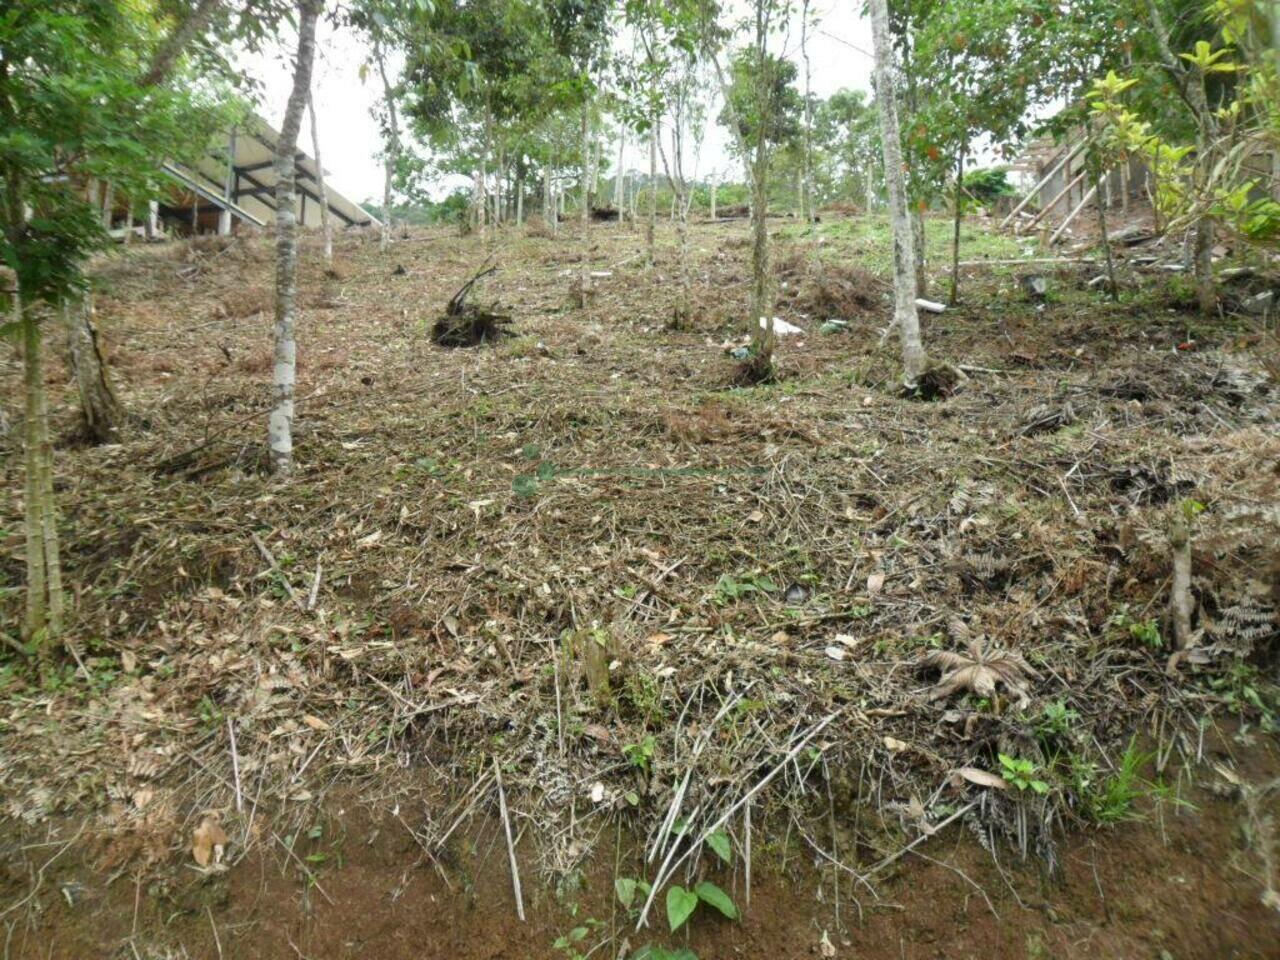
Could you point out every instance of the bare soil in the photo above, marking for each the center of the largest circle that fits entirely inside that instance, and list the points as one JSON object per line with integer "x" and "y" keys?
{"x": 1178, "y": 882}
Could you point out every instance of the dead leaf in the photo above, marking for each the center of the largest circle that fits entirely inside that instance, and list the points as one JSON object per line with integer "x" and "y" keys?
{"x": 979, "y": 671}
{"x": 896, "y": 745}
{"x": 315, "y": 723}
{"x": 983, "y": 778}
{"x": 597, "y": 792}
{"x": 825, "y": 946}
{"x": 451, "y": 624}
{"x": 875, "y": 583}
{"x": 755, "y": 516}
{"x": 781, "y": 639}
{"x": 837, "y": 653}
{"x": 658, "y": 639}
{"x": 128, "y": 661}
{"x": 208, "y": 842}
{"x": 596, "y": 732}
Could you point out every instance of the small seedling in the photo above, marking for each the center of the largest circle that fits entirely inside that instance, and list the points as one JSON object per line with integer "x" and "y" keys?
{"x": 730, "y": 588}
{"x": 681, "y": 903}
{"x": 1021, "y": 773}
{"x": 640, "y": 755}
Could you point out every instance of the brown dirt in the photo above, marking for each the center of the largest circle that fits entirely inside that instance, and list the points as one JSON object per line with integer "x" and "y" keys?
{"x": 1180, "y": 883}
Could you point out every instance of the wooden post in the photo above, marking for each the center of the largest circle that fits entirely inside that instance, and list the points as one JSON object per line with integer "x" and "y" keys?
{"x": 1072, "y": 215}
{"x": 1064, "y": 192}
{"x": 224, "y": 216}
{"x": 1034, "y": 191}
{"x": 153, "y": 219}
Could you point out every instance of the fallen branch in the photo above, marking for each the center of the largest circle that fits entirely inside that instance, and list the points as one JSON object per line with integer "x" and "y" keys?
{"x": 511, "y": 846}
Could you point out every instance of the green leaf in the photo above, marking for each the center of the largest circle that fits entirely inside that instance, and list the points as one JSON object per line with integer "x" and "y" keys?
{"x": 719, "y": 842}
{"x": 524, "y": 485}
{"x": 708, "y": 892}
{"x": 680, "y": 906}
{"x": 625, "y": 888}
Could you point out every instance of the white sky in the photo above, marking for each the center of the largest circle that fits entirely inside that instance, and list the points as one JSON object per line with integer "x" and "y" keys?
{"x": 346, "y": 106}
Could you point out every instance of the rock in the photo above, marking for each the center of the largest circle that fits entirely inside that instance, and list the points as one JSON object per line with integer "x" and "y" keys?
{"x": 1034, "y": 285}
{"x": 1260, "y": 303}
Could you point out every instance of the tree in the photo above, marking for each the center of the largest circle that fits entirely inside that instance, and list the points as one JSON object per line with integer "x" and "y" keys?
{"x": 86, "y": 93}
{"x": 905, "y": 317}
{"x": 326, "y": 222}
{"x": 847, "y": 160}
{"x": 579, "y": 34}
{"x": 280, "y": 422}
{"x": 762, "y": 108}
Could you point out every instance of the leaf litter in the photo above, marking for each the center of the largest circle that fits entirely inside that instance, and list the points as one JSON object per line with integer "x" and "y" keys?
{"x": 562, "y": 624}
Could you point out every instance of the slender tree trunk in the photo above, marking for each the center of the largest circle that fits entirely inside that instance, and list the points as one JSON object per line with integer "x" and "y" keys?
{"x": 955, "y": 236}
{"x": 1106, "y": 243}
{"x": 549, "y": 199}
{"x": 33, "y": 506}
{"x": 651, "y": 226}
{"x": 917, "y": 214}
{"x": 714, "y": 184}
{"x": 393, "y": 147}
{"x": 280, "y": 424}
{"x": 168, "y": 52}
{"x": 584, "y": 277}
{"x": 519, "y": 195}
{"x": 619, "y": 182}
{"x": 108, "y": 205}
{"x": 806, "y": 191}
{"x": 905, "y": 317}
{"x": 326, "y": 223}
{"x": 763, "y": 336}
{"x": 100, "y": 411}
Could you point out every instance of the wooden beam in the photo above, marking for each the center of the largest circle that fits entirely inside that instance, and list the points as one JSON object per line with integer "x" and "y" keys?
{"x": 1035, "y": 191}
{"x": 1072, "y": 215}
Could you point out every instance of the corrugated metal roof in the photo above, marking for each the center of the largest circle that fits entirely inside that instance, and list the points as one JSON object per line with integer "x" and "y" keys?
{"x": 253, "y": 190}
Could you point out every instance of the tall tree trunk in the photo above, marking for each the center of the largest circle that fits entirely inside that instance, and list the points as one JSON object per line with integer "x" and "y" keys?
{"x": 280, "y": 424}
{"x": 619, "y": 183}
{"x": 1106, "y": 244}
{"x": 44, "y": 602}
{"x": 955, "y": 235}
{"x": 549, "y": 212}
{"x": 714, "y": 184}
{"x": 763, "y": 337}
{"x": 393, "y": 147}
{"x": 806, "y": 191}
{"x": 100, "y": 411}
{"x": 108, "y": 205}
{"x": 168, "y": 52}
{"x": 905, "y": 317}
{"x": 651, "y": 226}
{"x": 584, "y": 277}
{"x": 913, "y": 106}
{"x": 326, "y": 224}
{"x": 520, "y": 194}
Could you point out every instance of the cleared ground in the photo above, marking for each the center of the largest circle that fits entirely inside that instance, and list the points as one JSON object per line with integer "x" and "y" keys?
{"x": 583, "y": 554}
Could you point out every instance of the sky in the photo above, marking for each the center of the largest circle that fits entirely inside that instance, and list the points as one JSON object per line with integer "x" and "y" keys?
{"x": 839, "y": 53}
